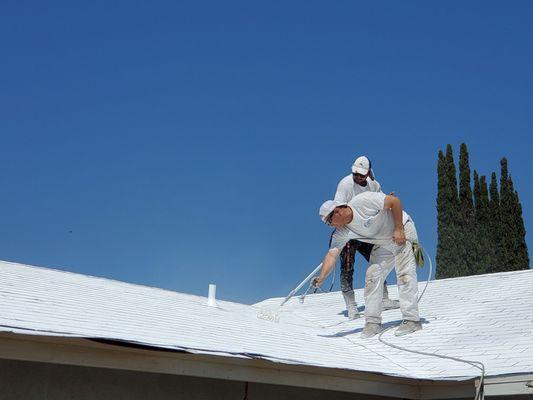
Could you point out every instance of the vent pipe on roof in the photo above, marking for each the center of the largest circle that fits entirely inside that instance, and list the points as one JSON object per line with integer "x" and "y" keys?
{"x": 211, "y": 298}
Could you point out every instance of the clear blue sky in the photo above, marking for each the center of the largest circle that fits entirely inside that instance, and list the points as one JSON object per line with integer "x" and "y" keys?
{"x": 175, "y": 144}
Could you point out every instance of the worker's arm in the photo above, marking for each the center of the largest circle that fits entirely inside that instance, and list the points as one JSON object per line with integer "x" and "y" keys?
{"x": 394, "y": 204}
{"x": 342, "y": 194}
{"x": 327, "y": 265}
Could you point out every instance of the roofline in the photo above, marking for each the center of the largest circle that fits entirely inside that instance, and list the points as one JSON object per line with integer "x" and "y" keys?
{"x": 90, "y": 353}
{"x": 529, "y": 270}
{"x": 521, "y": 384}
{"x": 107, "y": 279}
{"x": 466, "y": 277}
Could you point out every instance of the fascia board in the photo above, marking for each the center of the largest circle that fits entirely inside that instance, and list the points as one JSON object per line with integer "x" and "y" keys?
{"x": 509, "y": 385}
{"x": 83, "y": 352}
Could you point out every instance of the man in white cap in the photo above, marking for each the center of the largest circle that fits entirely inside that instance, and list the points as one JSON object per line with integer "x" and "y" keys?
{"x": 359, "y": 181}
{"x": 378, "y": 219}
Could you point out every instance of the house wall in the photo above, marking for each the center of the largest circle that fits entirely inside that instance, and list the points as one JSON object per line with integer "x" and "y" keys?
{"x": 25, "y": 380}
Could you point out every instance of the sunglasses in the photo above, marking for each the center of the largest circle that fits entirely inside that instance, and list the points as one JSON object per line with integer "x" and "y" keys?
{"x": 329, "y": 218}
{"x": 359, "y": 176}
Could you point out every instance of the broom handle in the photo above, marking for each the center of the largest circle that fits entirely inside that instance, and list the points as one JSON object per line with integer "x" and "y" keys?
{"x": 295, "y": 290}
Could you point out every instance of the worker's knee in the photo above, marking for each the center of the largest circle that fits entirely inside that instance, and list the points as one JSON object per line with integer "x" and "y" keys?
{"x": 374, "y": 269}
{"x": 373, "y": 274}
{"x": 404, "y": 279}
{"x": 346, "y": 286}
{"x": 406, "y": 266}
{"x": 406, "y": 275}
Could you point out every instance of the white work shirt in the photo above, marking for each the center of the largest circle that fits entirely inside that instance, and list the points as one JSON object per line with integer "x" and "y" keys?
{"x": 347, "y": 189}
{"x": 371, "y": 223}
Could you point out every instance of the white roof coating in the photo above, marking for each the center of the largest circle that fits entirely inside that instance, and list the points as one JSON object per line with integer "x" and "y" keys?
{"x": 486, "y": 318}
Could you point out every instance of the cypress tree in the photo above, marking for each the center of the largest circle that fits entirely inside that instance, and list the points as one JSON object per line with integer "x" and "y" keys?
{"x": 449, "y": 261}
{"x": 495, "y": 226}
{"x": 476, "y": 267}
{"x": 465, "y": 192}
{"x": 508, "y": 231}
{"x": 483, "y": 195}
{"x": 483, "y": 250}
{"x": 481, "y": 231}
{"x": 442, "y": 259}
{"x": 467, "y": 246}
{"x": 520, "y": 254}
{"x": 456, "y": 265}
{"x": 477, "y": 191}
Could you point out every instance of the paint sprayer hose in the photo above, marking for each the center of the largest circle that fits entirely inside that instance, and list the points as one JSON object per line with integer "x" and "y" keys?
{"x": 476, "y": 364}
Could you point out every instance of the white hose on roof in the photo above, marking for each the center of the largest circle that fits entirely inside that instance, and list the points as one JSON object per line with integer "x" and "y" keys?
{"x": 476, "y": 364}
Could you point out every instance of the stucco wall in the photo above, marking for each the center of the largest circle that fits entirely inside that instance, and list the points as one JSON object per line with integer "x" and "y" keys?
{"x": 22, "y": 380}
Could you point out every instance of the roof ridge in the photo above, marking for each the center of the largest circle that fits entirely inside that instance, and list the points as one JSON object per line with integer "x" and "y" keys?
{"x": 457, "y": 278}
{"x": 485, "y": 275}
{"x": 139, "y": 285}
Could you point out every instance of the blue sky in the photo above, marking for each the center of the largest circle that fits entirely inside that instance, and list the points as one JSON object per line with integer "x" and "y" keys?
{"x": 179, "y": 144}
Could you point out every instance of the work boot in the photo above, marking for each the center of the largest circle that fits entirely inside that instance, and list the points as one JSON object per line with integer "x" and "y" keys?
{"x": 389, "y": 304}
{"x": 371, "y": 329}
{"x": 408, "y": 327}
{"x": 351, "y": 305}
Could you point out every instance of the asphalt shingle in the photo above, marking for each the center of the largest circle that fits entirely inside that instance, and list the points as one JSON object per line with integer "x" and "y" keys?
{"x": 484, "y": 318}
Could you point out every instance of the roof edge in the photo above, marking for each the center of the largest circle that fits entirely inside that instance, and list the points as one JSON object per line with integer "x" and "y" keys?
{"x": 83, "y": 352}
{"x": 116, "y": 281}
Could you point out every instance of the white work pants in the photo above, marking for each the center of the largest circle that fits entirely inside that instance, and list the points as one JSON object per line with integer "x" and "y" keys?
{"x": 382, "y": 260}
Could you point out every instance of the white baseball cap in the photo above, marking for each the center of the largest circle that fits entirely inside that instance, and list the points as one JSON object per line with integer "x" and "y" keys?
{"x": 328, "y": 207}
{"x": 361, "y": 166}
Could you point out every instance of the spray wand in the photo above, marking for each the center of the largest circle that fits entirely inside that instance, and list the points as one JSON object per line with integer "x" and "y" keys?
{"x": 272, "y": 314}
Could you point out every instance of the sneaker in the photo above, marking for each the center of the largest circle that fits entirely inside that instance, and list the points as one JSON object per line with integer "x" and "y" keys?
{"x": 353, "y": 312}
{"x": 389, "y": 304}
{"x": 371, "y": 329}
{"x": 408, "y": 327}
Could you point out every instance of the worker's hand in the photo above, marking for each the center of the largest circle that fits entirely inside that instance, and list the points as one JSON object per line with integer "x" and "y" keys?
{"x": 399, "y": 236}
{"x": 316, "y": 282}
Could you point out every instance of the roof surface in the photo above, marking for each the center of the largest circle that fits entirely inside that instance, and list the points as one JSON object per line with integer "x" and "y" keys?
{"x": 486, "y": 318}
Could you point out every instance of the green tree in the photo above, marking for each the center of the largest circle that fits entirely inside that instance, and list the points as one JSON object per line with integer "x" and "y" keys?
{"x": 495, "y": 226}
{"x": 519, "y": 257}
{"x": 514, "y": 254}
{"x": 467, "y": 247}
{"x": 483, "y": 248}
{"x": 457, "y": 266}
{"x": 507, "y": 238}
{"x": 448, "y": 263}
{"x": 479, "y": 231}
{"x": 442, "y": 259}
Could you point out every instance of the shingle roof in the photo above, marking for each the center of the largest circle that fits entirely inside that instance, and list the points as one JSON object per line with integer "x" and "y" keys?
{"x": 485, "y": 318}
